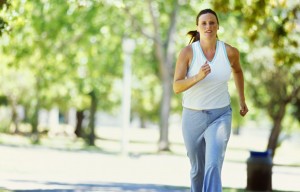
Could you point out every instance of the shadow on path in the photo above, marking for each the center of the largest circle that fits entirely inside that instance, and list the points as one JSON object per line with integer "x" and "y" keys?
{"x": 101, "y": 187}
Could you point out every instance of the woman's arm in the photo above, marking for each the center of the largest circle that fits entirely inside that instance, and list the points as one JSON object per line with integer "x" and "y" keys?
{"x": 234, "y": 58}
{"x": 180, "y": 82}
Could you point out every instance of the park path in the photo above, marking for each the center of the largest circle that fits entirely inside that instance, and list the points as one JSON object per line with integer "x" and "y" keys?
{"x": 34, "y": 168}
{"x": 39, "y": 168}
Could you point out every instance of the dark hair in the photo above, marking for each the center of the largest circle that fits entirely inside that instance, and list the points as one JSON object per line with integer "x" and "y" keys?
{"x": 195, "y": 36}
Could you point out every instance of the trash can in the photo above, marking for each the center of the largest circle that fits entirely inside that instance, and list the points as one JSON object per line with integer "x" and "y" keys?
{"x": 259, "y": 171}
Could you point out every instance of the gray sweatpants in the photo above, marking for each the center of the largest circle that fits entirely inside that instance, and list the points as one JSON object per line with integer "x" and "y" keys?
{"x": 206, "y": 134}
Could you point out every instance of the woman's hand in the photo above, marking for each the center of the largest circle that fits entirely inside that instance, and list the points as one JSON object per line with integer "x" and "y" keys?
{"x": 204, "y": 71}
{"x": 243, "y": 109}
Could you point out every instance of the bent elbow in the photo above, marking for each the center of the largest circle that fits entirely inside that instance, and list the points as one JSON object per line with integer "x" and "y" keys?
{"x": 176, "y": 92}
{"x": 175, "y": 89}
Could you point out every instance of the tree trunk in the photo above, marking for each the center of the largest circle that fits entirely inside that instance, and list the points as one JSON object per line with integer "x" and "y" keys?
{"x": 236, "y": 130}
{"x": 277, "y": 120}
{"x": 14, "y": 117}
{"x": 35, "y": 122}
{"x": 164, "y": 116}
{"x": 91, "y": 138}
{"x": 79, "y": 118}
{"x": 165, "y": 55}
{"x": 35, "y": 113}
{"x": 142, "y": 122}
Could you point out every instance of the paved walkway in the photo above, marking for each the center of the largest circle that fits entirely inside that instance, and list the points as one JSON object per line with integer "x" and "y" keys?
{"x": 106, "y": 187}
{"x": 45, "y": 169}
{"x": 36, "y": 169}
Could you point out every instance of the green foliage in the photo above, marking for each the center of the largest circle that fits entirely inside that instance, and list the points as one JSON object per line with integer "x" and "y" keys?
{"x": 3, "y": 100}
{"x": 64, "y": 50}
{"x": 67, "y": 55}
{"x": 277, "y": 59}
{"x": 4, "y": 26}
{"x": 272, "y": 30}
{"x": 67, "y": 48}
{"x": 4, "y": 126}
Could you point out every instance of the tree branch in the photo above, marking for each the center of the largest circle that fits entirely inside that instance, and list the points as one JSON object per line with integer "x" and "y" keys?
{"x": 294, "y": 94}
{"x": 159, "y": 49}
{"x": 137, "y": 26}
{"x": 171, "y": 36}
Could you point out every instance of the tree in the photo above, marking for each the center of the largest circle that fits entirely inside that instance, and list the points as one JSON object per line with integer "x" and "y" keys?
{"x": 68, "y": 56}
{"x": 162, "y": 17}
{"x": 16, "y": 84}
{"x": 278, "y": 86}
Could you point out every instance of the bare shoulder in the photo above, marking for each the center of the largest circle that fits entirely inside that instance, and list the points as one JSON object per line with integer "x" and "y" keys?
{"x": 233, "y": 54}
{"x": 186, "y": 54}
{"x": 183, "y": 62}
{"x": 187, "y": 51}
{"x": 231, "y": 51}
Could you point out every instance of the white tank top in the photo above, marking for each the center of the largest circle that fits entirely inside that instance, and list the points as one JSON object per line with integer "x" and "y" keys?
{"x": 212, "y": 91}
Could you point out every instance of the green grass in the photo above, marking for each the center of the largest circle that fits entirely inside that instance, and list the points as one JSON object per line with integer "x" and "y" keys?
{"x": 232, "y": 190}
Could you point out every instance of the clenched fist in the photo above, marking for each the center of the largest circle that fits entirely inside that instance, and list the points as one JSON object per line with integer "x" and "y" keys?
{"x": 204, "y": 70}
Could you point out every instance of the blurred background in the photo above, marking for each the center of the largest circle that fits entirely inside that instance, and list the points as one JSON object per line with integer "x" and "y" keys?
{"x": 86, "y": 100}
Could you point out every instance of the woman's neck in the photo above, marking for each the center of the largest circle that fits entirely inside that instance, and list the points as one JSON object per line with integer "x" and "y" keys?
{"x": 208, "y": 45}
{"x": 209, "y": 49}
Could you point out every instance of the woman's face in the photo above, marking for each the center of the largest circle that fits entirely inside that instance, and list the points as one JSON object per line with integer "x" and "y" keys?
{"x": 207, "y": 26}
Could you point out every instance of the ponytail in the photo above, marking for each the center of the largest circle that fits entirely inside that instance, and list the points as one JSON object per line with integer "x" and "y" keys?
{"x": 195, "y": 36}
